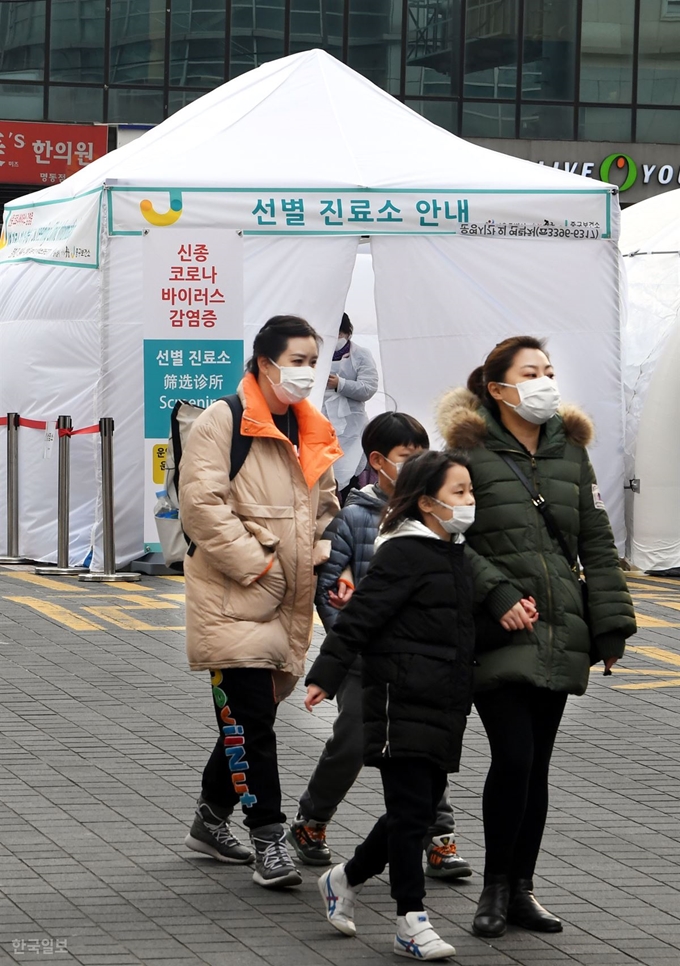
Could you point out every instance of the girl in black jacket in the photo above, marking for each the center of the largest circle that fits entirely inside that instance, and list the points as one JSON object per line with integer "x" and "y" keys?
{"x": 411, "y": 620}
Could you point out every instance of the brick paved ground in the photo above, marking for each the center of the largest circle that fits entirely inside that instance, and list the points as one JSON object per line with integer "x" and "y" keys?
{"x": 103, "y": 734}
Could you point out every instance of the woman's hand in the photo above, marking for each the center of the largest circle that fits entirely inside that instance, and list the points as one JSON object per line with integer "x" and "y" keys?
{"x": 315, "y": 695}
{"x": 529, "y": 605}
{"x": 517, "y": 618}
{"x": 333, "y": 381}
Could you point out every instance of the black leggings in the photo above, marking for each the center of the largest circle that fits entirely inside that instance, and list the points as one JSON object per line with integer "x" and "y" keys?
{"x": 521, "y": 723}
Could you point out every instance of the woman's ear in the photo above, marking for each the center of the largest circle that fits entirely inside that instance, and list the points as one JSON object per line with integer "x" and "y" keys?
{"x": 494, "y": 391}
{"x": 424, "y": 504}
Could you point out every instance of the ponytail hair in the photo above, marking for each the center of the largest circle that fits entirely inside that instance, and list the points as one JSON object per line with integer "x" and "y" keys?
{"x": 497, "y": 363}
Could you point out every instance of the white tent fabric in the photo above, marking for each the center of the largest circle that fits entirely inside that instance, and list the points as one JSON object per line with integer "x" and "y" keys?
{"x": 650, "y": 244}
{"x": 443, "y": 300}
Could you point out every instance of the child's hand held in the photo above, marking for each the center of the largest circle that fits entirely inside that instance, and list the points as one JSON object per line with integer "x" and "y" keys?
{"x": 315, "y": 695}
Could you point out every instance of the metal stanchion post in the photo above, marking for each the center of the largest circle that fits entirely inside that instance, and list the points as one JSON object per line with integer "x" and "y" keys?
{"x": 12, "y": 556}
{"x": 63, "y": 505}
{"x": 109, "y": 573}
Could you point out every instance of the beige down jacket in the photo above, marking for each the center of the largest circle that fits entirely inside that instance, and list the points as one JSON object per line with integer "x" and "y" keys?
{"x": 250, "y": 583}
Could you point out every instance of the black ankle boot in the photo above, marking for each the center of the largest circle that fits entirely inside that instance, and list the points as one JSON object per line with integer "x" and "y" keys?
{"x": 525, "y": 911}
{"x": 492, "y": 912}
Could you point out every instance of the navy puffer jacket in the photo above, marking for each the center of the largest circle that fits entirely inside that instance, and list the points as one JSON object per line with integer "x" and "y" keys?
{"x": 352, "y": 534}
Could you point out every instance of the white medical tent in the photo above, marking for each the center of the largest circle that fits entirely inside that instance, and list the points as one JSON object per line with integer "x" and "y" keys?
{"x": 468, "y": 246}
{"x": 650, "y": 244}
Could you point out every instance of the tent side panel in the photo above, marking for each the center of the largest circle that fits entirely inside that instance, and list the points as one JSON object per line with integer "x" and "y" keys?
{"x": 49, "y": 366}
{"x": 443, "y": 303}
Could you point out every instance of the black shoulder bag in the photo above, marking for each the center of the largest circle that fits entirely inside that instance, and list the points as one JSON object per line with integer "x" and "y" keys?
{"x": 555, "y": 532}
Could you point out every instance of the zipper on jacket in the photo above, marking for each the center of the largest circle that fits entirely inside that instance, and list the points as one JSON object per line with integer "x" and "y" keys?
{"x": 386, "y": 749}
{"x": 548, "y": 584}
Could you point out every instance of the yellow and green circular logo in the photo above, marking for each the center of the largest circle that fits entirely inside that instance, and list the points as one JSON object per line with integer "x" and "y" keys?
{"x": 620, "y": 161}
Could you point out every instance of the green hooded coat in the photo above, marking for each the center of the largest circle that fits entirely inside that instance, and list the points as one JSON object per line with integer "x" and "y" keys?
{"x": 514, "y": 556}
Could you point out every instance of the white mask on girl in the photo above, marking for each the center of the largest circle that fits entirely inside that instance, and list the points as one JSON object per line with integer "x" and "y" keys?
{"x": 539, "y": 399}
{"x": 462, "y": 517}
{"x": 296, "y": 383}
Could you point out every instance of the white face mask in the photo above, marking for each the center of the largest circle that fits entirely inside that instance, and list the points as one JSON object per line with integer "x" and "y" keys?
{"x": 539, "y": 399}
{"x": 340, "y": 344}
{"x": 462, "y": 517}
{"x": 295, "y": 385}
{"x": 398, "y": 468}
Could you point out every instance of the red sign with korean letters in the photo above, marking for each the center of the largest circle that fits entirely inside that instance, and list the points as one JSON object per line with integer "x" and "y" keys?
{"x": 43, "y": 154}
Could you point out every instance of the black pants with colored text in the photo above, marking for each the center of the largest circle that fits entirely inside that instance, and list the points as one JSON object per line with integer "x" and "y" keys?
{"x": 243, "y": 768}
{"x": 521, "y": 724}
{"x": 412, "y": 789}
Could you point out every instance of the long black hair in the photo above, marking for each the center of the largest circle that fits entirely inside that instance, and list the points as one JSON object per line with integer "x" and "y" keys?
{"x": 422, "y": 475}
{"x": 272, "y": 339}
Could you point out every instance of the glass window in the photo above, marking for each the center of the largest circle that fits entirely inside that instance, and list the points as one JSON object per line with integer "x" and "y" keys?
{"x": 375, "y": 41}
{"x": 433, "y": 47}
{"x": 547, "y": 121}
{"x": 257, "y": 33}
{"x": 77, "y": 41}
{"x": 607, "y": 51}
{"x": 549, "y": 49}
{"x": 22, "y": 40}
{"x": 443, "y": 113}
{"x": 137, "y": 41}
{"x": 135, "y": 106}
{"x": 179, "y": 99}
{"x": 316, "y": 23}
{"x": 662, "y": 127}
{"x": 197, "y": 43}
{"x": 604, "y": 124}
{"x": 488, "y": 120}
{"x": 659, "y": 62}
{"x": 76, "y": 104}
{"x": 491, "y": 48}
{"x": 22, "y": 102}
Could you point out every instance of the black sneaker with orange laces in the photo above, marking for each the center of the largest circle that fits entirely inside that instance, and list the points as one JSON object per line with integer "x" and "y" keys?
{"x": 443, "y": 861}
{"x": 308, "y": 838}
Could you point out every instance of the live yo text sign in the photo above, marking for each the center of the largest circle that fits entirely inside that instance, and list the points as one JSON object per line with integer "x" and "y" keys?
{"x": 193, "y": 335}
{"x": 32, "y": 153}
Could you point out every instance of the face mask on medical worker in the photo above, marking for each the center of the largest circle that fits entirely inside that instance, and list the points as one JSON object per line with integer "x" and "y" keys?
{"x": 341, "y": 343}
{"x": 296, "y": 383}
{"x": 539, "y": 399}
{"x": 462, "y": 517}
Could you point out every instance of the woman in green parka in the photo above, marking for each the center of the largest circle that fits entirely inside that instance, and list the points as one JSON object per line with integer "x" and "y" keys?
{"x": 529, "y": 662}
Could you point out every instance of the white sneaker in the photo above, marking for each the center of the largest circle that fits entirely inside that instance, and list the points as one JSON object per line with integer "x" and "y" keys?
{"x": 416, "y": 938}
{"x": 339, "y": 897}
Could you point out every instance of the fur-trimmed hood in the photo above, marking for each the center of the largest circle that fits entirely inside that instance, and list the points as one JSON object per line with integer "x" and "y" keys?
{"x": 462, "y": 421}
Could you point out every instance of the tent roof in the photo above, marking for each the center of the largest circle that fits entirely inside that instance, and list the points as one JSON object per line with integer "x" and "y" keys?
{"x": 307, "y": 121}
{"x": 652, "y": 225}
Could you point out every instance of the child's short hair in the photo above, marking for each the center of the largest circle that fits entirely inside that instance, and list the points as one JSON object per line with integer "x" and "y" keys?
{"x": 388, "y": 430}
{"x": 422, "y": 475}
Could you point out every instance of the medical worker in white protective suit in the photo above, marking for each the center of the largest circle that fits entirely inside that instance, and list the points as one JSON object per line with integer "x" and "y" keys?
{"x": 352, "y": 382}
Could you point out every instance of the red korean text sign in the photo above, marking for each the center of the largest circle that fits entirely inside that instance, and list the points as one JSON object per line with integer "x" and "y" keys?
{"x": 44, "y": 154}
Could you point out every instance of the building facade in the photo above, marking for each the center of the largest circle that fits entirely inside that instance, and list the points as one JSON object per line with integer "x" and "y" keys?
{"x": 509, "y": 73}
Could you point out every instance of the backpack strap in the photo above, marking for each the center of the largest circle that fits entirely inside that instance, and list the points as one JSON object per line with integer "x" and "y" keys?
{"x": 240, "y": 446}
{"x": 543, "y": 508}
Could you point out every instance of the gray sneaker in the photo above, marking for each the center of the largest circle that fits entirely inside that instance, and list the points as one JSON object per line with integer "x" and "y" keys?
{"x": 274, "y": 867}
{"x": 211, "y": 834}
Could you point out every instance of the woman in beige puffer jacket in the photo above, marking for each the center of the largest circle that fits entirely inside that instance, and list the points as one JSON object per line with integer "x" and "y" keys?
{"x": 250, "y": 582}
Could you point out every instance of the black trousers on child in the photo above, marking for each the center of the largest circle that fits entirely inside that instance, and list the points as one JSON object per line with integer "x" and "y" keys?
{"x": 521, "y": 723}
{"x": 412, "y": 789}
{"x": 243, "y": 768}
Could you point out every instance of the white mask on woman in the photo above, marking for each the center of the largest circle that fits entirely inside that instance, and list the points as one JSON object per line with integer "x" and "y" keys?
{"x": 539, "y": 399}
{"x": 296, "y": 383}
{"x": 340, "y": 344}
{"x": 462, "y": 517}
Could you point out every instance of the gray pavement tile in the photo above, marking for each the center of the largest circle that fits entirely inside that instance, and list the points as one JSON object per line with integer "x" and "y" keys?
{"x": 98, "y": 782}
